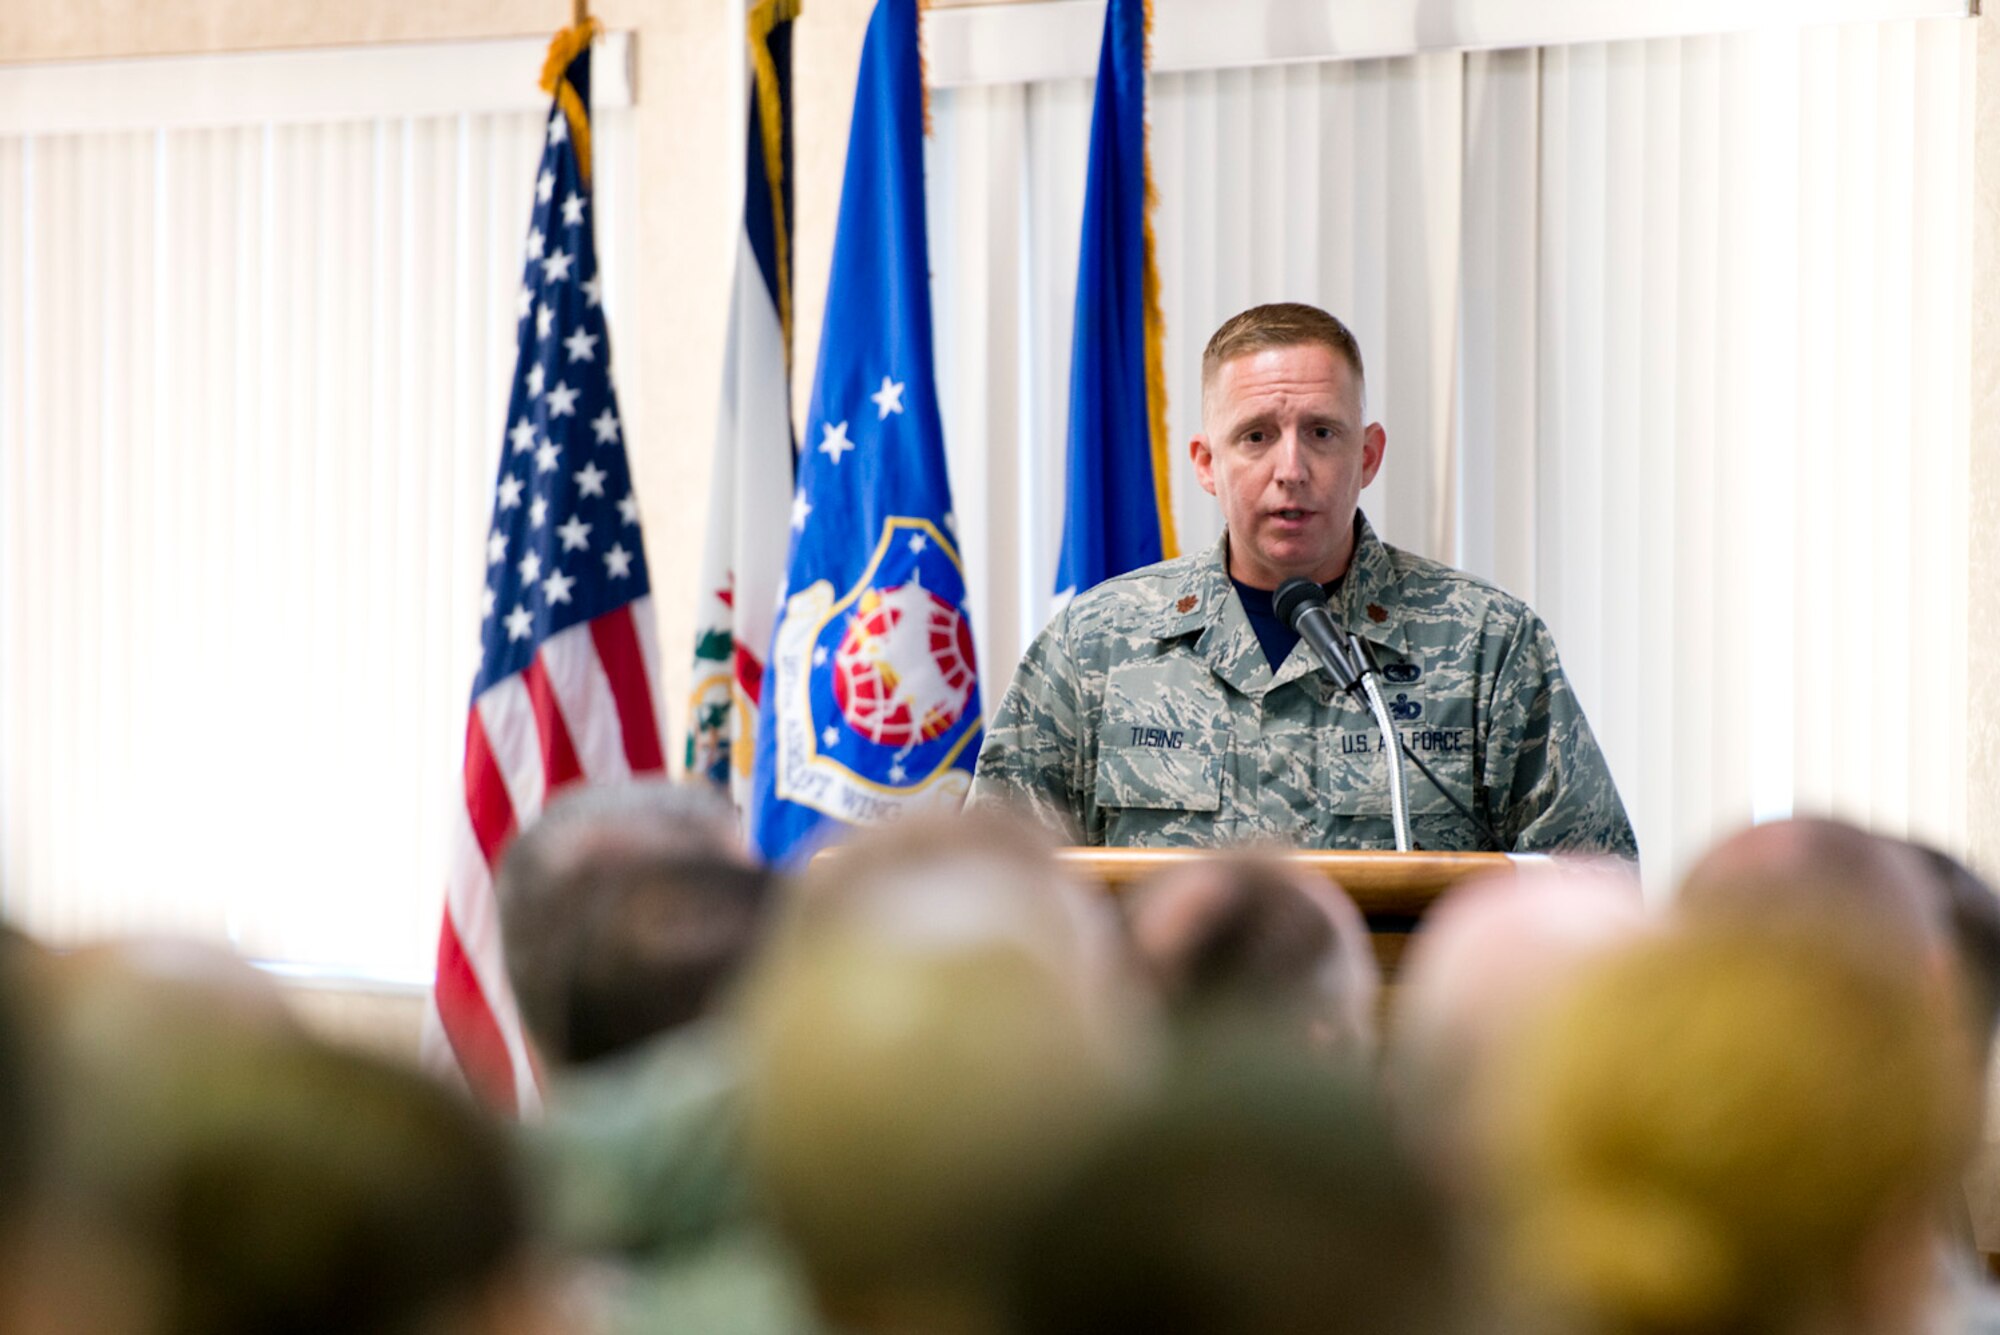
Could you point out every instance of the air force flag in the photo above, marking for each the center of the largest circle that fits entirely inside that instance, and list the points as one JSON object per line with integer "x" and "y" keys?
{"x": 871, "y": 699}
{"x": 1118, "y": 514}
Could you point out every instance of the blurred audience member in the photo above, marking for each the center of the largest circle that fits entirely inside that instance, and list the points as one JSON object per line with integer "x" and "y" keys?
{"x": 39, "y": 1263}
{"x": 1972, "y": 915}
{"x": 1728, "y": 1130}
{"x": 1830, "y": 881}
{"x": 235, "y": 1175}
{"x": 625, "y": 909}
{"x": 937, "y": 1033}
{"x": 24, "y": 1077}
{"x": 1257, "y": 1193}
{"x": 1488, "y": 956}
{"x": 1242, "y": 938}
{"x": 1905, "y": 910}
{"x": 1972, "y": 919}
{"x": 629, "y": 913}
{"x": 923, "y": 1095}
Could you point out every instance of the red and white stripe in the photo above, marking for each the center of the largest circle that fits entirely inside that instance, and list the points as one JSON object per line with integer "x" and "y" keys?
{"x": 585, "y": 709}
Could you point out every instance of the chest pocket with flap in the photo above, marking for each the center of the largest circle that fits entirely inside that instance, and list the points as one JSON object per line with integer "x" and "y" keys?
{"x": 1162, "y": 741}
{"x": 1159, "y": 778}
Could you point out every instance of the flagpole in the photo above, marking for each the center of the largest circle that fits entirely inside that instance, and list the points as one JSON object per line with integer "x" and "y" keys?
{"x": 580, "y": 13}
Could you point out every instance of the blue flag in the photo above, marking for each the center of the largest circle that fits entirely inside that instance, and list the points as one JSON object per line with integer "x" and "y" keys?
{"x": 1116, "y": 515}
{"x": 871, "y": 696}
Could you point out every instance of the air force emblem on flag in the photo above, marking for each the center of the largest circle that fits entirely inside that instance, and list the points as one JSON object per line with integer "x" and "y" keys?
{"x": 880, "y": 683}
{"x": 870, "y": 702}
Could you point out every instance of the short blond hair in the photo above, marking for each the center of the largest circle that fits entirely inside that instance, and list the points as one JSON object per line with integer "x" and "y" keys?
{"x": 1281, "y": 324}
{"x": 1704, "y": 1134}
{"x": 929, "y": 1043}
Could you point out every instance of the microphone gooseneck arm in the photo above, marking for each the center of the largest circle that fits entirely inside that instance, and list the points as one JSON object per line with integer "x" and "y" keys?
{"x": 1399, "y": 806}
{"x": 1371, "y": 670}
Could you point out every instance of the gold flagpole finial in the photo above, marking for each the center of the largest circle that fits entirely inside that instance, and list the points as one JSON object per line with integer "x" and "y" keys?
{"x": 563, "y": 48}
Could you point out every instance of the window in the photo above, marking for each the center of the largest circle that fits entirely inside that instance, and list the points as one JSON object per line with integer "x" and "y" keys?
{"x": 255, "y": 334}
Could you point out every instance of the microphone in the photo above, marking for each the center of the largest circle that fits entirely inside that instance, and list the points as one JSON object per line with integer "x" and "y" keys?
{"x": 1301, "y": 604}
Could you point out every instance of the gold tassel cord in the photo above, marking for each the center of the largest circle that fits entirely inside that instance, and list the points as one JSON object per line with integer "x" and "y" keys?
{"x": 1156, "y": 332}
{"x": 1156, "y": 391}
{"x": 566, "y": 46}
{"x": 764, "y": 16}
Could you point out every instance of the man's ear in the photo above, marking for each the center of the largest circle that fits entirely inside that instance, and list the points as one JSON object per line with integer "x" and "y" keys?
{"x": 1204, "y": 463}
{"x": 1374, "y": 441}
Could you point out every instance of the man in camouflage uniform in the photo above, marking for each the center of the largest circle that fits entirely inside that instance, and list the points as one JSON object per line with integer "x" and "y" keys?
{"x": 1169, "y": 707}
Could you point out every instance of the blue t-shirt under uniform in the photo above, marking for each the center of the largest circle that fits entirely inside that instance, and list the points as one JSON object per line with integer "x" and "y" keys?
{"x": 1276, "y": 637}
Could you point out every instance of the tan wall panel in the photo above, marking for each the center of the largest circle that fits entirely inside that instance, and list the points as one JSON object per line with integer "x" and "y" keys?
{"x": 97, "y": 29}
{"x": 826, "y": 57}
{"x": 101, "y": 29}
{"x": 690, "y": 205}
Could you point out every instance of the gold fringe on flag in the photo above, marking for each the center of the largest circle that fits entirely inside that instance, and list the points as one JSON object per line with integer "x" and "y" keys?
{"x": 563, "y": 48}
{"x": 1156, "y": 332}
{"x": 764, "y": 16}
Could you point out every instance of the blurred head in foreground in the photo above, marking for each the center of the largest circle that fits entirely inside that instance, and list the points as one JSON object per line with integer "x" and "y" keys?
{"x": 31, "y": 1293}
{"x": 234, "y": 1175}
{"x": 1489, "y": 955}
{"x": 627, "y": 909}
{"x": 1247, "y": 938}
{"x": 1972, "y": 917}
{"x": 1828, "y": 880}
{"x": 933, "y": 1037}
{"x": 1257, "y": 1193}
{"x": 1723, "y": 1131}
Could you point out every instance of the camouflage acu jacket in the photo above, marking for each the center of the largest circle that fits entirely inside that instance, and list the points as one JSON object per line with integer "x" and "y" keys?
{"x": 1147, "y": 714}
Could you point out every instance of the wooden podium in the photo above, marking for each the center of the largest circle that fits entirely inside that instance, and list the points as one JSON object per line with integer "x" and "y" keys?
{"x": 1393, "y": 890}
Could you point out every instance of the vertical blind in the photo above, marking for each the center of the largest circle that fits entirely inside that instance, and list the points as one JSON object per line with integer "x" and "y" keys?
{"x": 252, "y": 382}
{"x": 1669, "y": 338}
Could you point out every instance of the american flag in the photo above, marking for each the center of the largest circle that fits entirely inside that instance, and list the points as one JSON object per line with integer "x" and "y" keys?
{"x": 564, "y": 691}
